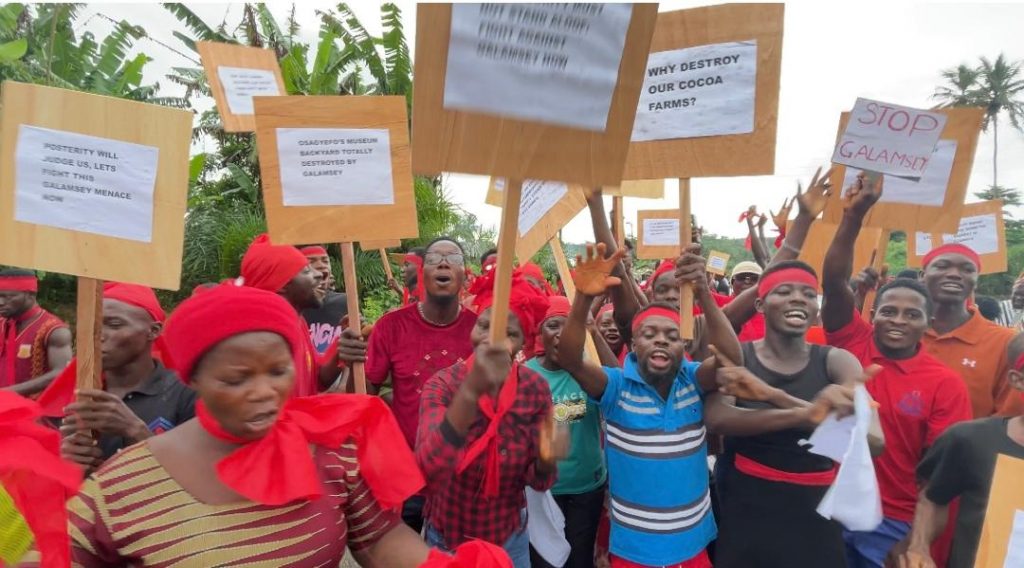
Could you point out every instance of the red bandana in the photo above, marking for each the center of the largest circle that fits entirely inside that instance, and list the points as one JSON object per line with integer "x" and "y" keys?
{"x": 784, "y": 276}
{"x": 19, "y": 284}
{"x": 654, "y": 312}
{"x": 313, "y": 250}
{"x": 526, "y": 302}
{"x": 269, "y": 267}
{"x": 533, "y": 271}
{"x": 278, "y": 468}
{"x": 952, "y": 248}
{"x": 559, "y": 307}
{"x": 667, "y": 265}
{"x": 489, "y": 439}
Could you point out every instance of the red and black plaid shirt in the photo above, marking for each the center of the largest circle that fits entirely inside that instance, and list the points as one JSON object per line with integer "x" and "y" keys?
{"x": 455, "y": 504}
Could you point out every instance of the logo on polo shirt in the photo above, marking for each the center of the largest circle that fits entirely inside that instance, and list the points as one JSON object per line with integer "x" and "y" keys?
{"x": 911, "y": 404}
{"x": 970, "y": 363}
{"x": 160, "y": 425}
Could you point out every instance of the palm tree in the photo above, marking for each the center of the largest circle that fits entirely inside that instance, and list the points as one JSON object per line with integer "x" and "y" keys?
{"x": 1001, "y": 89}
{"x": 959, "y": 90}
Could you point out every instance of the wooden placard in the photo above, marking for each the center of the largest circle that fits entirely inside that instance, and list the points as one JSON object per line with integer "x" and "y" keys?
{"x": 732, "y": 155}
{"x": 643, "y": 188}
{"x": 718, "y": 262}
{"x": 336, "y": 223}
{"x": 476, "y": 143}
{"x": 819, "y": 239}
{"x": 156, "y": 263}
{"x": 992, "y": 250}
{"x": 218, "y": 54}
{"x": 1005, "y": 501}
{"x": 563, "y": 211}
{"x": 382, "y": 244}
{"x": 962, "y": 126}
{"x": 668, "y": 220}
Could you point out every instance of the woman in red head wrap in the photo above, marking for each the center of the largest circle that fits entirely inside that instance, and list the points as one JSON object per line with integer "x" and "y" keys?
{"x": 480, "y": 432}
{"x": 258, "y": 477}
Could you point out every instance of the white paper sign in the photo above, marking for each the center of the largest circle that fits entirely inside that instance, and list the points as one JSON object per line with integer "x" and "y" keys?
{"x": 85, "y": 183}
{"x": 889, "y": 139}
{"x": 335, "y": 166}
{"x": 551, "y": 63}
{"x": 977, "y": 232}
{"x": 706, "y": 90}
{"x": 241, "y": 85}
{"x": 715, "y": 263}
{"x": 538, "y": 197}
{"x": 929, "y": 190}
{"x": 1015, "y": 546}
{"x": 661, "y": 232}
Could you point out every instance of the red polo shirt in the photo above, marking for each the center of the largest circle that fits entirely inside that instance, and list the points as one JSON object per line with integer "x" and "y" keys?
{"x": 918, "y": 399}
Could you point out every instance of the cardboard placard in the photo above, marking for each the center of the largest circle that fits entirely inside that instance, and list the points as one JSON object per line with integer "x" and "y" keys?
{"x": 717, "y": 262}
{"x": 235, "y": 73}
{"x": 962, "y": 128}
{"x": 1001, "y": 531}
{"x": 819, "y": 239}
{"x": 889, "y": 139}
{"x": 446, "y": 139}
{"x": 657, "y": 234}
{"x": 644, "y": 188}
{"x": 750, "y": 153}
{"x": 382, "y": 244}
{"x": 541, "y": 219}
{"x": 980, "y": 228}
{"x": 91, "y": 182}
{"x": 322, "y": 117}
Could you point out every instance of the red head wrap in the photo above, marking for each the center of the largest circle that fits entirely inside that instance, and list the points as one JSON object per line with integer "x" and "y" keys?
{"x": 313, "y": 250}
{"x": 667, "y": 265}
{"x": 559, "y": 306}
{"x": 135, "y": 295}
{"x": 784, "y": 276}
{"x": 19, "y": 283}
{"x": 255, "y": 469}
{"x": 419, "y": 293}
{"x": 528, "y": 304}
{"x": 533, "y": 271}
{"x": 656, "y": 311}
{"x": 605, "y": 309}
{"x": 269, "y": 267}
{"x": 952, "y": 248}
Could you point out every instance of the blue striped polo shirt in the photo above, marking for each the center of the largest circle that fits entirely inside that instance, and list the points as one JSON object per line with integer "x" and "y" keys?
{"x": 657, "y": 467}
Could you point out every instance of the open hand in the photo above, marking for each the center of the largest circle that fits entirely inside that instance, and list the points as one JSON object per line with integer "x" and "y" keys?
{"x": 762, "y": 220}
{"x": 812, "y": 202}
{"x": 592, "y": 276}
{"x": 782, "y": 217}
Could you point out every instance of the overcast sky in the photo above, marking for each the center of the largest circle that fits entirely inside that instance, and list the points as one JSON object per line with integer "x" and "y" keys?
{"x": 833, "y": 52}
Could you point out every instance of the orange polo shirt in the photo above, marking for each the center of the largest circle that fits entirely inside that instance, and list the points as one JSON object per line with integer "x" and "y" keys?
{"x": 977, "y": 352}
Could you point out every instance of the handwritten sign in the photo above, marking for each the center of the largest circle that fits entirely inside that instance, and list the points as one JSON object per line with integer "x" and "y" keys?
{"x": 717, "y": 262}
{"x": 85, "y": 183}
{"x": 929, "y": 189}
{"x": 335, "y": 166}
{"x": 552, "y": 63}
{"x": 889, "y": 139}
{"x": 981, "y": 229}
{"x": 706, "y": 90}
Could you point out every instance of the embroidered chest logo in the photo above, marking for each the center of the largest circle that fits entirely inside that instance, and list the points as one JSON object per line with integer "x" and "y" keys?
{"x": 911, "y": 404}
{"x": 970, "y": 363}
{"x": 160, "y": 425}
{"x": 433, "y": 362}
{"x": 24, "y": 351}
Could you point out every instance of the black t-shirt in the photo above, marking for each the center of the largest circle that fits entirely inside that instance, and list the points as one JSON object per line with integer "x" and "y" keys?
{"x": 161, "y": 401}
{"x": 325, "y": 321}
{"x": 961, "y": 464}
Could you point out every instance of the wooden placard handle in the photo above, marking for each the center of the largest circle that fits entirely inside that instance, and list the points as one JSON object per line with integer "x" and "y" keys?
{"x": 387, "y": 264}
{"x": 685, "y": 240}
{"x": 348, "y": 269}
{"x": 507, "y": 236}
{"x": 618, "y": 221}
{"x": 570, "y": 292}
{"x": 87, "y": 334}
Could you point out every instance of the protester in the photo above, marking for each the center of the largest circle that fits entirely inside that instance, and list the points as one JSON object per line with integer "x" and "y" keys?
{"x": 139, "y": 397}
{"x": 745, "y": 276}
{"x": 413, "y": 343}
{"x": 412, "y": 277}
{"x": 962, "y": 338}
{"x": 324, "y": 320}
{"x": 960, "y": 465}
{"x": 284, "y": 270}
{"x": 482, "y": 424}
{"x": 610, "y": 332}
{"x": 918, "y": 396}
{"x": 36, "y": 344}
{"x": 580, "y": 489}
{"x": 771, "y": 484}
{"x": 660, "y": 504}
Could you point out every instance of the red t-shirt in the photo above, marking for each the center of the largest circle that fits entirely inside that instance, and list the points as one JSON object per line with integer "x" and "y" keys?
{"x": 411, "y": 350}
{"x": 918, "y": 399}
{"x": 718, "y": 298}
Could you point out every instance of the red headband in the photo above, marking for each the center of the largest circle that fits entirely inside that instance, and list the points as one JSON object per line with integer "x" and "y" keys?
{"x": 313, "y": 250}
{"x": 785, "y": 276}
{"x": 654, "y": 312}
{"x": 19, "y": 283}
{"x": 952, "y": 248}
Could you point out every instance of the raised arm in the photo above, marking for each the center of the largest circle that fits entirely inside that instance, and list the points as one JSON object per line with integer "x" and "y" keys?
{"x": 623, "y": 297}
{"x": 839, "y": 302}
{"x": 757, "y": 247}
{"x": 592, "y": 279}
{"x": 691, "y": 270}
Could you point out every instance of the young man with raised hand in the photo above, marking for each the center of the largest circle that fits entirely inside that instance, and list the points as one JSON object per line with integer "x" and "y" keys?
{"x": 655, "y": 438}
{"x": 918, "y": 396}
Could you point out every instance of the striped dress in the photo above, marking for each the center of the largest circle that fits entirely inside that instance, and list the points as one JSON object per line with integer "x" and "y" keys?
{"x": 132, "y": 513}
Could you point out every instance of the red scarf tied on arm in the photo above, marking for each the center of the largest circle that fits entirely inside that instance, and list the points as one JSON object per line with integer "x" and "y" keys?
{"x": 37, "y": 479}
{"x": 279, "y": 467}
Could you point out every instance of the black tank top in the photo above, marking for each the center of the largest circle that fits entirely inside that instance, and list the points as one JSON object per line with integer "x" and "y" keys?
{"x": 781, "y": 450}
